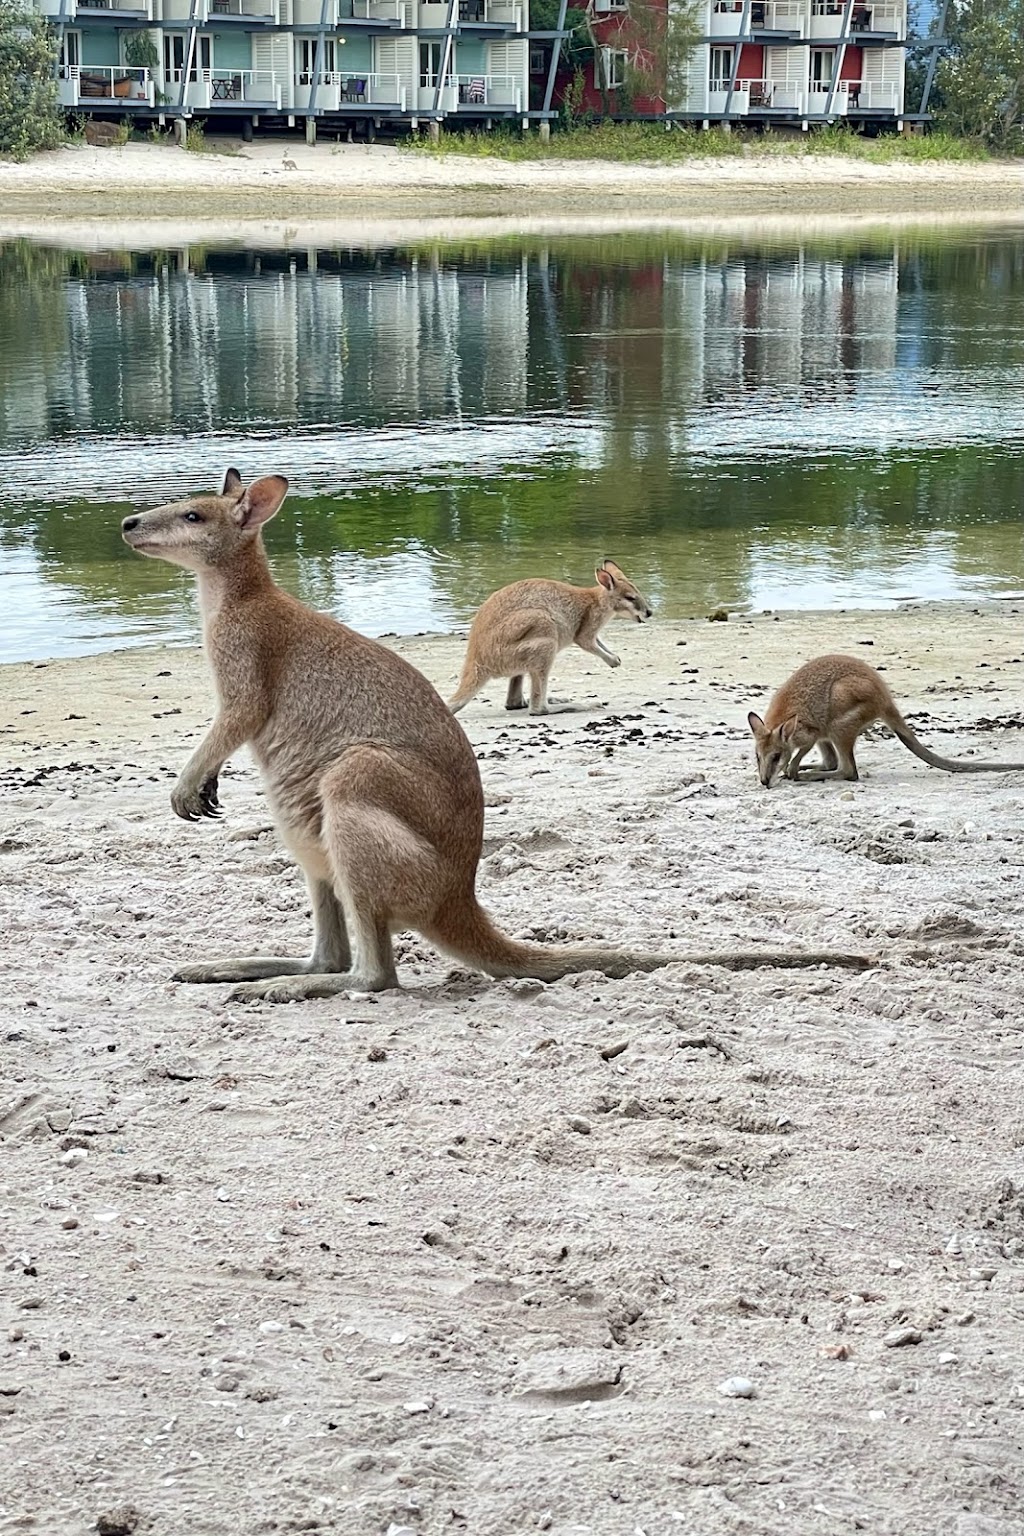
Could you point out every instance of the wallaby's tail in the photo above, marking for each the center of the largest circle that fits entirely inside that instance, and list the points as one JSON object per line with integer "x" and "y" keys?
{"x": 466, "y": 931}
{"x": 899, "y": 726}
{"x": 470, "y": 683}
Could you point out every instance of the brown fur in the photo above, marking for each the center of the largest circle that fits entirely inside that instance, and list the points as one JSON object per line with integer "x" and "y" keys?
{"x": 520, "y": 629}
{"x": 828, "y": 703}
{"x": 373, "y": 784}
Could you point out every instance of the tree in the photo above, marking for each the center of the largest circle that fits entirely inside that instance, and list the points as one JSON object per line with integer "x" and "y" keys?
{"x": 29, "y": 112}
{"x": 981, "y": 79}
{"x": 662, "y": 36}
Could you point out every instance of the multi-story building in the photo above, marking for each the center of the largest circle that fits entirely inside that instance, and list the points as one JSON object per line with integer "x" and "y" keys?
{"x": 335, "y": 62}
{"x": 799, "y": 62}
{"x": 318, "y": 61}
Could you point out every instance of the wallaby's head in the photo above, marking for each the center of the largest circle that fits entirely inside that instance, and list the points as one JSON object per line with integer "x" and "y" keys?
{"x": 623, "y": 599}
{"x": 774, "y": 748}
{"x": 205, "y": 532}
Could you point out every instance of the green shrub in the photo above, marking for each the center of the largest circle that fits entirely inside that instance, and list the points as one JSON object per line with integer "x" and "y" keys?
{"x": 29, "y": 110}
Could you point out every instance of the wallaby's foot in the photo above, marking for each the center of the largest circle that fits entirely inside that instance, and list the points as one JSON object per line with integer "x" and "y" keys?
{"x": 555, "y": 707}
{"x": 514, "y": 697}
{"x": 824, "y": 775}
{"x": 252, "y": 968}
{"x": 298, "y": 989}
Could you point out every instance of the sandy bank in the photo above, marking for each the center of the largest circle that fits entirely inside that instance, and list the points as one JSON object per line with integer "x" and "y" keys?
{"x": 476, "y": 1255}
{"x": 285, "y": 181}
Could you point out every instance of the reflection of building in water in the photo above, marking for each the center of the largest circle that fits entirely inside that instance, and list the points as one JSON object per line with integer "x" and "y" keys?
{"x": 278, "y": 341}
{"x": 781, "y": 322}
{"x": 365, "y": 344}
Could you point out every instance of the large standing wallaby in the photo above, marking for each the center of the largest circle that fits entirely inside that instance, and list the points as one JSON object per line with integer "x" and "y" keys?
{"x": 828, "y": 703}
{"x": 373, "y": 784}
{"x": 519, "y": 630}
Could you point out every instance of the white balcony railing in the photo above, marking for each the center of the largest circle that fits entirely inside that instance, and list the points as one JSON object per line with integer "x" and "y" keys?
{"x": 220, "y": 87}
{"x": 338, "y": 92}
{"x": 871, "y": 96}
{"x": 89, "y": 85}
{"x": 492, "y": 13}
{"x": 829, "y": 18}
{"x": 818, "y": 103}
{"x": 756, "y": 96}
{"x": 778, "y": 16}
{"x": 376, "y": 10}
{"x": 138, "y": 11}
{"x": 471, "y": 93}
{"x": 243, "y": 10}
{"x": 727, "y": 18}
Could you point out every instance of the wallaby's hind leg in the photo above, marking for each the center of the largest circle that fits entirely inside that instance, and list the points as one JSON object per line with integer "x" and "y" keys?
{"x": 330, "y": 949}
{"x": 387, "y": 872}
{"x": 828, "y": 767}
{"x": 842, "y": 745}
{"x": 514, "y": 698}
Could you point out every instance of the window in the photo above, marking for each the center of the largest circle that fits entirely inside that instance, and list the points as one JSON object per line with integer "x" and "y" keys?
{"x": 721, "y": 69}
{"x": 70, "y": 52}
{"x": 175, "y": 50}
{"x": 610, "y": 68}
{"x": 305, "y": 60}
{"x": 538, "y": 62}
{"x": 822, "y": 64}
{"x": 430, "y": 63}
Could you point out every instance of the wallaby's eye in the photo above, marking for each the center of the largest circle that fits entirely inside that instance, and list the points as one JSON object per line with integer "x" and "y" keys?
{"x": 191, "y": 517}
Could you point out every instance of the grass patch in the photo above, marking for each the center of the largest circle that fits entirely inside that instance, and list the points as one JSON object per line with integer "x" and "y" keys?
{"x": 654, "y": 144}
{"x": 641, "y": 143}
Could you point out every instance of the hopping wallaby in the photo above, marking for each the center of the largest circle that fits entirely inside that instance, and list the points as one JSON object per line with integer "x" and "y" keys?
{"x": 373, "y": 784}
{"x": 828, "y": 703}
{"x": 520, "y": 629}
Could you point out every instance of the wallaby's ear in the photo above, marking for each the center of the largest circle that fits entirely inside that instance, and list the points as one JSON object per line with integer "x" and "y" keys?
{"x": 615, "y": 571}
{"x": 605, "y": 578}
{"x": 788, "y": 729}
{"x": 261, "y": 500}
{"x": 232, "y": 483}
{"x": 756, "y": 723}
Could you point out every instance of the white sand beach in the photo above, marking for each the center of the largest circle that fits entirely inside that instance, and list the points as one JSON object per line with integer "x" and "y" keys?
{"x": 282, "y": 181}
{"x": 476, "y": 1256}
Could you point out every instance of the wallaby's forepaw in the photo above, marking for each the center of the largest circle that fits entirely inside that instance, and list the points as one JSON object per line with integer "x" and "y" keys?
{"x": 614, "y": 661}
{"x": 193, "y": 803}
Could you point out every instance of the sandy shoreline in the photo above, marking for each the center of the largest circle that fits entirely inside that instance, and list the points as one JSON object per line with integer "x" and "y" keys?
{"x": 447, "y": 1259}
{"x": 285, "y": 181}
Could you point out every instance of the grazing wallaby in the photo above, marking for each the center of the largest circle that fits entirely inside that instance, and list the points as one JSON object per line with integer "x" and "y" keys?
{"x": 520, "y": 630}
{"x": 828, "y": 703}
{"x": 373, "y": 784}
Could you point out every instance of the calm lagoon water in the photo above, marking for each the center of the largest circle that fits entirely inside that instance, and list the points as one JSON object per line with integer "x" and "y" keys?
{"x": 750, "y": 425}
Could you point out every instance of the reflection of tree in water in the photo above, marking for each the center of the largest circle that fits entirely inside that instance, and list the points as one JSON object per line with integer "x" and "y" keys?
{"x": 643, "y": 339}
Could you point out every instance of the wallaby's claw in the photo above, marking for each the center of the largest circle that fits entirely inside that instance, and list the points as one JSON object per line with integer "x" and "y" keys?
{"x": 208, "y": 798}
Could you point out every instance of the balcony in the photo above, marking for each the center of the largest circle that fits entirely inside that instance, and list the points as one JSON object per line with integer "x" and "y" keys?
{"x": 248, "y": 12}
{"x": 388, "y": 12}
{"x": 726, "y": 18}
{"x": 750, "y": 97}
{"x": 491, "y": 15}
{"x": 96, "y": 86}
{"x": 223, "y": 89}
{"x": 868, "y": 19}
{"x": 870, "y": 96}
{"x": 818, "y": 99}
{"x": 482, "y": 16}
{"x": 336, "y": 92}
{"x": 138, "y": 13}
{"x": 782, "y": 18}
{"x": 883, "y": 19}
{"x": 472, "y": 93}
